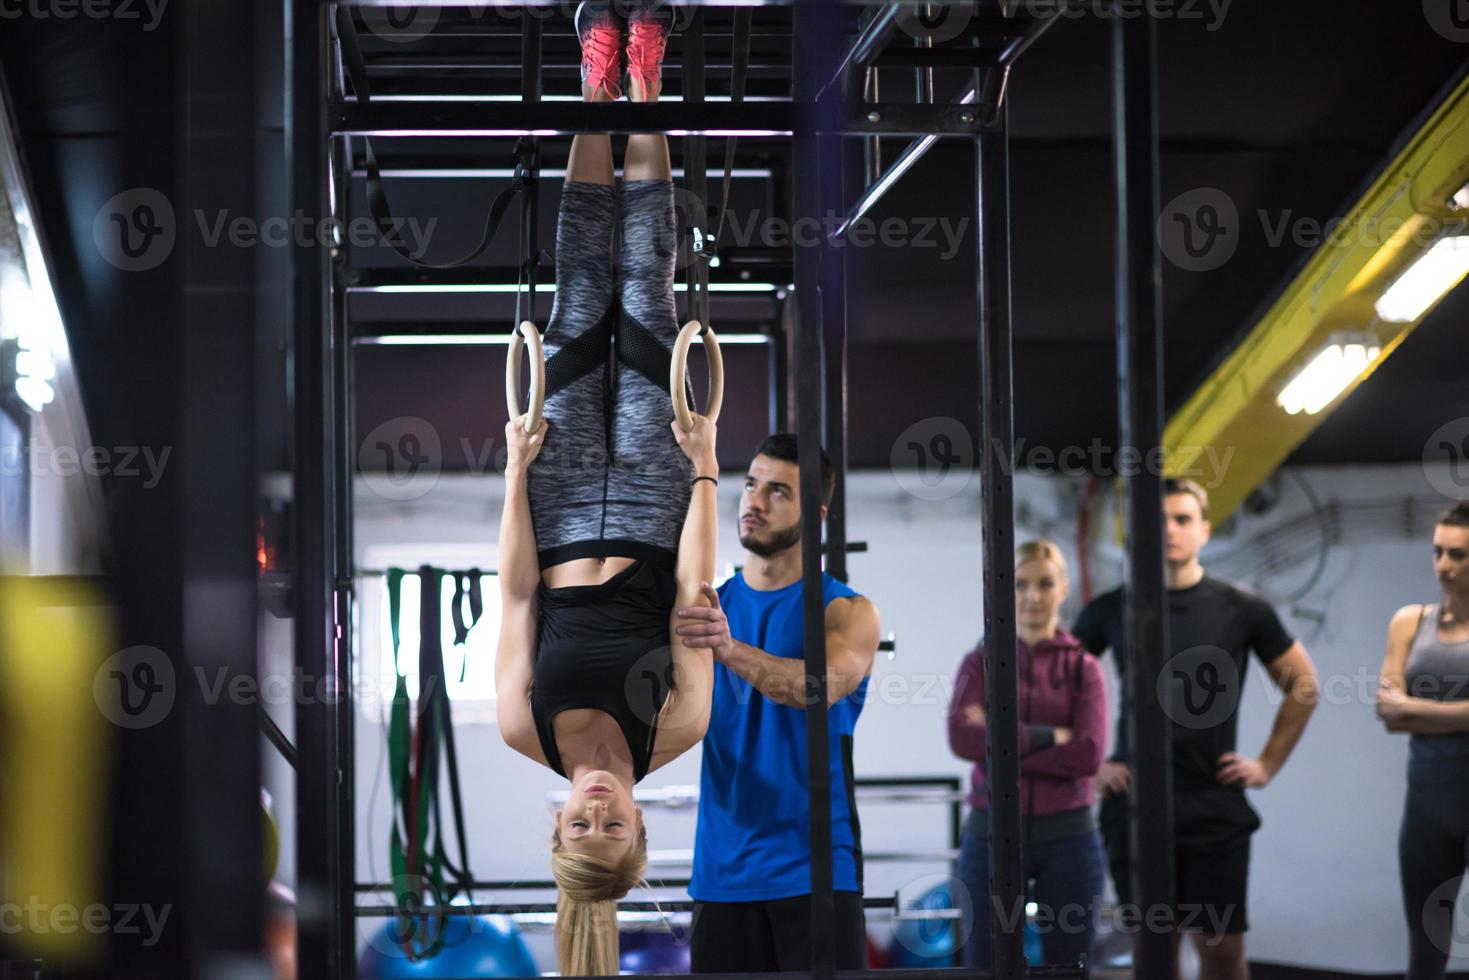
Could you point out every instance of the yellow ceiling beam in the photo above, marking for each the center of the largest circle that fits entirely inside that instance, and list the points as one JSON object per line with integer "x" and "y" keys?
{"x": 1230, "y": 434}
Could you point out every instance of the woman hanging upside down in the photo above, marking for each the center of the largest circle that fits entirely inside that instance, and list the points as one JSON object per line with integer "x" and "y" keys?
{"x": 609, "y": 521}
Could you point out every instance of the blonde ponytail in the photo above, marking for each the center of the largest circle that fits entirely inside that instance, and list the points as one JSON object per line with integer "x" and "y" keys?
{"x": 586, "y": 905}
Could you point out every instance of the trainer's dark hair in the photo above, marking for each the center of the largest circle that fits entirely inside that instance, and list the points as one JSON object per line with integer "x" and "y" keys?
{"x": 1457, "y": 515}
{"x": 782, "y": 446}
{"x": 1173, "y": 486}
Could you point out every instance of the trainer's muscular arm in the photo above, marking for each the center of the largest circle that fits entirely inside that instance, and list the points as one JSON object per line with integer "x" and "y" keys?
{"x": 1295, "y": 675}
{"x": 852, "y": 633}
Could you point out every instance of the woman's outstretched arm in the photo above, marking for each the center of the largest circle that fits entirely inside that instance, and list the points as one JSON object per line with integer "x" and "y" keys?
{"x": 520, "y": 577}
{"x": 697, "y": 544}
{"x": 685, "y": 716}
{"x": 520, "y": 569}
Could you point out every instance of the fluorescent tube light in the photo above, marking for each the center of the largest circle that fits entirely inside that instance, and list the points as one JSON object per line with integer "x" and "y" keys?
{"x": 30, "y": 366}
{"x": 1426, "y": 281}
{"x": 1328, "y": 374}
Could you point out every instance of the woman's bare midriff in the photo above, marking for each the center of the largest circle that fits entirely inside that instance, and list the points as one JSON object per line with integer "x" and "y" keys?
{"x": 584, "y": 571}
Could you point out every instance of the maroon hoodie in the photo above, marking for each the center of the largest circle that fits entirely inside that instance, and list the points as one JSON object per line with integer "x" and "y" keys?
{"x": 1060, "y": 687}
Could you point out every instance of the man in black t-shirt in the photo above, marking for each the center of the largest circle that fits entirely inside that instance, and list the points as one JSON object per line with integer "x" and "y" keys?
{"x": 1212, "y": 628}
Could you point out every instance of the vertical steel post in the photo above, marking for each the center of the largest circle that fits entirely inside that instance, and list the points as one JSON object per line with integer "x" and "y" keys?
{"x": 775, "y": 367}
{"x": 814, "y": 21}
{"x": 1006, "y": 898}
{"x": 218, "y": 503}
{"x": 696, "y": 170}
{"x": 531, "y": 89}
{"x": 319, "y": 882}
{"x": 872, "y": 145}
{"x": 923, "y": 76}
{"x": 1140, "y": 410}
{"x": 834, "y": 347}
{"x": 341, "y": 448}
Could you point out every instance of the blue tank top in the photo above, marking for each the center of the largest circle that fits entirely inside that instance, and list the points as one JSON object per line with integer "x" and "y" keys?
{"x": 753, "y": 840}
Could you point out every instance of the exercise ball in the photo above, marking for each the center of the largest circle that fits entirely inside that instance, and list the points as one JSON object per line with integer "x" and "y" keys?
{"x": 473, "y": 946}
{"x": 654, "y": 952}
{"x": 923, "y": 943}
{"x": 1034, "y": 951}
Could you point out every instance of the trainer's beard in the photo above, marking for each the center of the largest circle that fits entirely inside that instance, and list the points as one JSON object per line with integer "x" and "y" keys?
{"x": 779, "y": 541}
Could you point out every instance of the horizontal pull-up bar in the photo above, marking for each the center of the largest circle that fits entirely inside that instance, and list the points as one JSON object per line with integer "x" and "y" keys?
{"x": 550, "y": 4}
{"x": 665, "y": 907}
{"x": 436, "y": 118}
{"x": 505, "y": 173}
{"x": 382, "y": 284}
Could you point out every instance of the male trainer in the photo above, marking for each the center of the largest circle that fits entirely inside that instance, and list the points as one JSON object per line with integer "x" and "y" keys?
{"x": 752, "y": 850}
{"x": 1212, "y": 627}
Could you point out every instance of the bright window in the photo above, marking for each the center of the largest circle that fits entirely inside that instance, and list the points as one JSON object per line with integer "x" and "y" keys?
{"x": 475, "y": 659}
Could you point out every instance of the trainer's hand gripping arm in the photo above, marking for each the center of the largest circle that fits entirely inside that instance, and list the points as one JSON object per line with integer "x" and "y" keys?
{"x": 852, "y": 633}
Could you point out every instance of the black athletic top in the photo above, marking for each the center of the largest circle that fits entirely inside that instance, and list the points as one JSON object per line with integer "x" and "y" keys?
{"x": 606, "y": 647}
{"x": 1212, "y": 628}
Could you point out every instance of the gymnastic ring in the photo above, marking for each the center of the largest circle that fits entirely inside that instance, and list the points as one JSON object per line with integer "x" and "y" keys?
{"x": 679, "y": 367}
{"x": 526, "y": 335}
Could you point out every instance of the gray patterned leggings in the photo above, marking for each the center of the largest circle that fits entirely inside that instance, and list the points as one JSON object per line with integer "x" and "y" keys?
{"x": 610, "y": 478}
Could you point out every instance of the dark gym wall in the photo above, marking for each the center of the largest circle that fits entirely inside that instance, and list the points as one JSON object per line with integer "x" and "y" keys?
{"x": 96, "y": 114}
{"x": 166, "y": 357}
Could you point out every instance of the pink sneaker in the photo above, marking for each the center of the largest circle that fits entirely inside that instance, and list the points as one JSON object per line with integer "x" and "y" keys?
{"x": 648, "y": 27}
{"x": 601, "y": 33}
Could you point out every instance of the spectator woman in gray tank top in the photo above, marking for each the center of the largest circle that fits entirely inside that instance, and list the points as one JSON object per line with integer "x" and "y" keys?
{"x": 1424, "y": 690}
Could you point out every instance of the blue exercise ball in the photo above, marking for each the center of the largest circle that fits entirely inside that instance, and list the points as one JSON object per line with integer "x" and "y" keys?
{"x": 1034, "y": 952}
{"x": 473, "y": 946}
{"x": 654, "y": 952}
{"x": 923, "y": 943}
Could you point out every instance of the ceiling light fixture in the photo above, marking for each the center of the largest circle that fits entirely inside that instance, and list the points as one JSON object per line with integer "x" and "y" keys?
{"x": 1426, "y": 281}
{"x": 28, "y": 365}
{"x": 1329, "y": 373}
